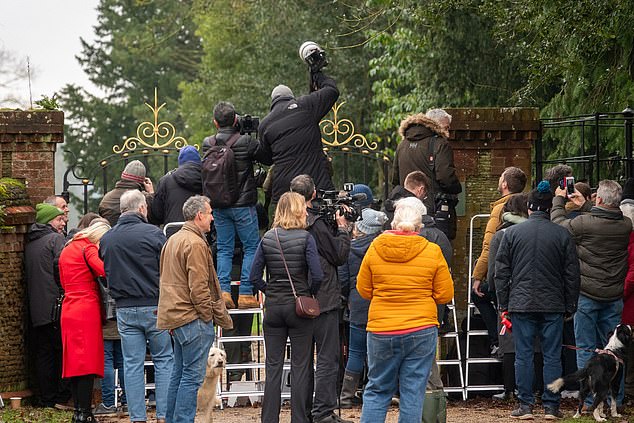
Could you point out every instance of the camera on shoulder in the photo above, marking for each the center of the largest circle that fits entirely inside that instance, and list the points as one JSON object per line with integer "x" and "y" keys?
{"x": 333, "y": 201}
{"x": 247, "y": 124}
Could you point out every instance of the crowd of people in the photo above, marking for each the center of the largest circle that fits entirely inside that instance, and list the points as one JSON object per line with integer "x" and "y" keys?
{"x": 549, "y": 258}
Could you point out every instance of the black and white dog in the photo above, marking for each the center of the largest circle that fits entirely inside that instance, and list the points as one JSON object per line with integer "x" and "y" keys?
{"x": 602, "y": 374}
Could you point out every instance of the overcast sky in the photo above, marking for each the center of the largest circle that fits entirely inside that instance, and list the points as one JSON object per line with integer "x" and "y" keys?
{"x": 47, "y": 31}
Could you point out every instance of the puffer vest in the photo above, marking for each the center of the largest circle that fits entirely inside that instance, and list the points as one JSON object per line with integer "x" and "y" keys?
{"x": 293, "y": 242}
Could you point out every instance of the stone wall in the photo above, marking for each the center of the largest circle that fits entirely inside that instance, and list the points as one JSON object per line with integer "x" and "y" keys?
{"x": 485, "y": 141}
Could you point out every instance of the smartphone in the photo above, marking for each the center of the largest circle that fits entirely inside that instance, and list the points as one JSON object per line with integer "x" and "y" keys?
{"x": 570, "y": 185}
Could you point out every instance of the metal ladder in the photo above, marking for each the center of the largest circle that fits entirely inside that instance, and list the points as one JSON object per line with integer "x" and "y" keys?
{"x": 453, "y": 335}
{"x": 471, "y": 308}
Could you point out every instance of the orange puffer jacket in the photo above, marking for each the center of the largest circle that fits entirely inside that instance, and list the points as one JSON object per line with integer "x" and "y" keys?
{"x": 404, "y": 276}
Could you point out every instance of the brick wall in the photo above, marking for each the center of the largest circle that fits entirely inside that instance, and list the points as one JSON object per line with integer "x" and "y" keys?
{"x": 485, "y": 141}
{"x": 28, "y": 140}
{"x": 17, "y": 217}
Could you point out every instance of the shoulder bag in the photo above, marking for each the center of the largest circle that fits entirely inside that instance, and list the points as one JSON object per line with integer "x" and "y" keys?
{"x": 108, "y": 305}
{"x": 305, "y": 306}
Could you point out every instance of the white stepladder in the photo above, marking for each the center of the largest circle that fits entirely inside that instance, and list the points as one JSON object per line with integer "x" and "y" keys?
{"x": 471, "y": 309}
{"x": 453, "y": 336}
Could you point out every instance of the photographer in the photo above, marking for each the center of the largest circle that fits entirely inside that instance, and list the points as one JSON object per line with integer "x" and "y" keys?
{"x": 238, "y": 214}
{"x": 291, "y": 137}
{"x": 333, "y": 246}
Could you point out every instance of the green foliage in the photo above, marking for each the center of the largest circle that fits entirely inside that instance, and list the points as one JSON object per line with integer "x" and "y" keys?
{"x": 48, "y": 103}
{"x": 34, "y": 415}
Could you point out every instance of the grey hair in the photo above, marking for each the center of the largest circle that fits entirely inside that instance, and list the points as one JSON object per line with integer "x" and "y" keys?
{"x": 438, "y": 115}
{"x": 193, "y": 205}
{"x": 131, "y": 200}
{"x": 407, "y": 219}
{"x": 412, "y": 202}
{"x": 610, "y": 192}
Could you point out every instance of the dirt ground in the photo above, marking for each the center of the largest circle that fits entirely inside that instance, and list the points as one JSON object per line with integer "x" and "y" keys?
{"x": 472, "y": 411}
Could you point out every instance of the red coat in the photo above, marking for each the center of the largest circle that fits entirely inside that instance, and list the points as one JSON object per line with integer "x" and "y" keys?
{"x": 628, "y": 291}
{"x": 82, "y": 338}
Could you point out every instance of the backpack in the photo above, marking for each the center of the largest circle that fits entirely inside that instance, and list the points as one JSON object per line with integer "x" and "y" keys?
{"x": 219, "y": 173}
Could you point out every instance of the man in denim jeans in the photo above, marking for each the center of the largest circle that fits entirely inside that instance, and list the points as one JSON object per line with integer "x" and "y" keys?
{"x": 189, "y": 292}
{"x": 240, "y": 218}
{"x": 131, "y": 251}
{"x": 602, "y": 237}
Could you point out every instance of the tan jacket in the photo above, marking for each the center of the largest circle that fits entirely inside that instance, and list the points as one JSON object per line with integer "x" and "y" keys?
{"x": 189, "y": 284}
{"x": 481, "y": 266}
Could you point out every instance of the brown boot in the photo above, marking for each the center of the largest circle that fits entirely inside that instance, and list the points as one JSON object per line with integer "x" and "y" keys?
{"x": 248, "y": 301}
{"x": 228, "y": 300}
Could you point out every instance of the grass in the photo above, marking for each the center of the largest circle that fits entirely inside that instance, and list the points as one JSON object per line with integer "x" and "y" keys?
{"x": 34, "y": 415}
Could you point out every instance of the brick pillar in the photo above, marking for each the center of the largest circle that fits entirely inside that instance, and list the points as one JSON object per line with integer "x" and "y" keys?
{"x": 28, "y": 140}
{"x": 485, "y": 141}
{"x": 15, "y": 220}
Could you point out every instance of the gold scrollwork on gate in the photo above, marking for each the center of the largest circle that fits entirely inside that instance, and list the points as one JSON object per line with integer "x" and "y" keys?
{"x": 155, "y": 135}
{"x": 342, "y": 128}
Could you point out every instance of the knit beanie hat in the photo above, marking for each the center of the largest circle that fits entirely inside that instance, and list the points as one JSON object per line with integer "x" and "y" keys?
{"x": 540, "y": 199}
{"x": 372, "y": 221}
{"x": 134, "y": 171}
{"x": 363, "y": 189}
{"x": 628, "y": 190}
{"x": 188, "y": 154}
{"x": 46, "y": 212}
{"x": 281, "y": 91}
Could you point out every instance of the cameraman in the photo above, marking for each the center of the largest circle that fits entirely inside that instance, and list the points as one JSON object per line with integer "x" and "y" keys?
{"x": 240, "y": 217}
{"x": 333, "y": 247}
{"x": 290, "y": 135}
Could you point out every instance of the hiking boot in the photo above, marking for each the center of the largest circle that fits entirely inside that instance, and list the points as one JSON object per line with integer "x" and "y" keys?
{"x": 552, "y": 413}
{"x": 104, "y": 410}
{"x": 228, "y": 300}
{"x": 248, "y": 301}
{"x": 348, "y": 397}
{"x": 523, "y": 412}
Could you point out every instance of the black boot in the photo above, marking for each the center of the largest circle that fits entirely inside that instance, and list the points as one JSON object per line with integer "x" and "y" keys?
{"x": 348, "y": 397}
{"x": 86, "y": 416}
{"x": 75, "y": 416}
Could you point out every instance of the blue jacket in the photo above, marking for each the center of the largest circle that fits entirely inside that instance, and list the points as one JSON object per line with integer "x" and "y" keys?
{"x": 131, "y": 253}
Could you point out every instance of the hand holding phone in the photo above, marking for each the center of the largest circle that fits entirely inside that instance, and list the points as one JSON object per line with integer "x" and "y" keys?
{"x": 569, "y": 182}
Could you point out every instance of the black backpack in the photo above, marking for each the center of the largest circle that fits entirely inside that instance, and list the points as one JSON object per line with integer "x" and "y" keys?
{"x": 219, "y": 173}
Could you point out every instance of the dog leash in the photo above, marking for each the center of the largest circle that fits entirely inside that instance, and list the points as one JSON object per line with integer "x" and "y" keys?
{"x": 595, "y": 351}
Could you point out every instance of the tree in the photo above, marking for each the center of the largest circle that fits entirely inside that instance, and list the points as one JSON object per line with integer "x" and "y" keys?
{"x": 13, "y": 72}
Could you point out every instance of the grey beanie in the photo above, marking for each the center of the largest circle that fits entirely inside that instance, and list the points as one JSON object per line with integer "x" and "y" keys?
{"x": 281, "y": 90}
{"x": 372, "y": 221}
{"x": 134, "y": 171}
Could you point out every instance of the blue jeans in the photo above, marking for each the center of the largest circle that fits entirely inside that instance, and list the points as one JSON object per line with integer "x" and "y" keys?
{"x": 228, "y": 222}
{"x": 357, "y": 348}
{"x": 137, "y": 328}
{"x": 403, "y": 359}
{"x": 191, "y": 348}
{"x": 113, "y": 359}
{"x": 593, "y": 321}
{"x": 549, "y": 327}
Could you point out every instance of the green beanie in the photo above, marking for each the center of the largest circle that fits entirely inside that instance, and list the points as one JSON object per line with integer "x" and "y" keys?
{"x": 46, "y": 213}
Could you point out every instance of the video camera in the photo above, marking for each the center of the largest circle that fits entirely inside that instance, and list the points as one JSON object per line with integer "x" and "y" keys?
{"x": 247, "y": 124}
{"x": 331, "y": 202}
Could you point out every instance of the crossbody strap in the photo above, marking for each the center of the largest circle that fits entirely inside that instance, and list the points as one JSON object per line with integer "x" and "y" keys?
{"x": 83, "y": 253}
{"x": 277, "y": 238}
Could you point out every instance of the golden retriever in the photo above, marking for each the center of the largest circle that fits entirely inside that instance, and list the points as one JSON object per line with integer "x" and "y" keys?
{"x": 207, "y": 398}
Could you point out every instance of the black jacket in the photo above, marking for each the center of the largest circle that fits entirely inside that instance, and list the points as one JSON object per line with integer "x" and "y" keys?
{"x": 173, "y": 190}
{"x": 333, "y": 248}
{"x": 431, "y": 233}
{"x": 43, "y": 245}
{"x": 131, "y": 253}
{"x": 291, "y": 137}
{"x": 246, "y": 150}
{"x": 536, "y": 268}
{"x": 421, "y": 140}
{"x": 357, "y": 305}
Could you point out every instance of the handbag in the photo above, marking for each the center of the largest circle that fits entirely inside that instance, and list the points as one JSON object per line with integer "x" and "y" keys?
{"x": 108, "y": 305}
{"x": 305, "y": 306}
{"x": 56, "y": 309}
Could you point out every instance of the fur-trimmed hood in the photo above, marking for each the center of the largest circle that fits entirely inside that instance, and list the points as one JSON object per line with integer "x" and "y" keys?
{"x": 420, "y": 119}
